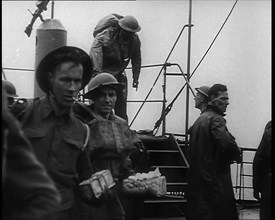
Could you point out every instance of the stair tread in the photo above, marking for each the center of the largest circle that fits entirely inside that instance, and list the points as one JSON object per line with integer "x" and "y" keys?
{"x": 185, "y": 183}
{"x": 166, "y": 201}
{"x": 163, "y": 151}
{"x": 169, "y": 166}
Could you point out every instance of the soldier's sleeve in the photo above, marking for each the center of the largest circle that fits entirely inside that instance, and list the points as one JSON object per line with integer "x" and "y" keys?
{"x": 225, "y": 140}
{"x": 260, "y": 161}
{"x": 26, "y": 182}
{"x": 136, "y": 58}
{"x": 96, "y": 52}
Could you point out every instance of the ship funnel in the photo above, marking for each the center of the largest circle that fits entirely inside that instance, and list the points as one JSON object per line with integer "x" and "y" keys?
{"x": 49, "y": 35}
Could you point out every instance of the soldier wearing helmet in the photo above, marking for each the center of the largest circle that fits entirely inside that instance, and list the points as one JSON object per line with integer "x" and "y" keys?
{"x": 112, "y": 143}
{"x": 201, "y": 98}
{"x": 115, "y": 44}
{"x": 59, "y": 139}
{"x": 18, "y": 106}
{"x": 10, "y": 91}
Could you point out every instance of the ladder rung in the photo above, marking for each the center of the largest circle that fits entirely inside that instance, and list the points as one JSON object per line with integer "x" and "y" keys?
{"x": 170, "y": 167}
{"x": 174, "y": 74}
{"x": 246, "y": 175}
{"x": 179, "y": 184}
{"x": 166, "y": 201}
{"x": 163, "y": 151}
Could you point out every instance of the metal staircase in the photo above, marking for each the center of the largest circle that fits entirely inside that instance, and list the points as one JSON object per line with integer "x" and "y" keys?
{"x": 166, "y": 154}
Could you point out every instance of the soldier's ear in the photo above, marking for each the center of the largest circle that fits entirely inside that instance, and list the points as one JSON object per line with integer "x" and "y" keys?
{"x": 50, "y": 78}
{"x": 212, "y": 98}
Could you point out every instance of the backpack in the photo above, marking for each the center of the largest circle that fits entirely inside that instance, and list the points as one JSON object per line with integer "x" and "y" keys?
{"x": 106, "y": 22}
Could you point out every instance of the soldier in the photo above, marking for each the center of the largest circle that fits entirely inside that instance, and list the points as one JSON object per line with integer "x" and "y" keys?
{"x": 201, "y": 98}
{"x": 115, "y": 44}
{"x": 262, "y": 173}
{"x": 16, "y": 107}
{"x": 112, "y": 143}
{"x": 58, "y": 138}
{"x": 27, "y": 190}
{"x": 211, "y": 151}
{"x": 10, "y": 91}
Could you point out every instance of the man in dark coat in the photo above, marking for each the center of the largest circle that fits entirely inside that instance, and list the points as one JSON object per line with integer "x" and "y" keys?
{"x": 28, "y": 193}
{"x": 262, "y": 173}
{"x": 212, "y": 149}
{"x": 115, "y": 44}
{"x": 59, "y": 139}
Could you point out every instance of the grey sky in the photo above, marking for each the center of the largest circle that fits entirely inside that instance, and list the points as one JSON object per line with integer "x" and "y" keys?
{"x": 240, "y": 57}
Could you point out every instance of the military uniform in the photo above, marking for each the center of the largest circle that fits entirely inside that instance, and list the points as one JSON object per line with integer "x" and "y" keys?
{"x": 28, "y": 193}
{"x": 112, "y": 142}
{"x": 58, "y": 142}
{"x": 112, "y": 54}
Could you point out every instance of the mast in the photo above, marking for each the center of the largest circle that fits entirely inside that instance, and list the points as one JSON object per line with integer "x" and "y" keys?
{"x": 188, "y": 71}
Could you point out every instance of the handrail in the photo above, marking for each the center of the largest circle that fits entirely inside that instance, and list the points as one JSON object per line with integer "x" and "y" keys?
{"x": 159, "y": 73}
{"x": 240, "y": 174}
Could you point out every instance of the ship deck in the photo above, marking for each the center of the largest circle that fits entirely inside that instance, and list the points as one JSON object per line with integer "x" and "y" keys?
{"x": 245, "y": 213}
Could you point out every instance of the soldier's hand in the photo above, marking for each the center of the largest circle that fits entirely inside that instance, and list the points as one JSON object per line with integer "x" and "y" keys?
{"x": 107, "y": 194}
{"x": 86, "y": 193}
{"x": 135, "y": 84}
{"x": 257, "y": 194}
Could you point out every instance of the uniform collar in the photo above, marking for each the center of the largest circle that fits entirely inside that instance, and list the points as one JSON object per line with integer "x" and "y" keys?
{"x": 97, "y": 116}
{"x": 48, "y": 108}
{"x": 216, "y": 110}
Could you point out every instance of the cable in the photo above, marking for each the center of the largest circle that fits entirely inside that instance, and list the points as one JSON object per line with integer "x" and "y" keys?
{"x": 167, "y": 110}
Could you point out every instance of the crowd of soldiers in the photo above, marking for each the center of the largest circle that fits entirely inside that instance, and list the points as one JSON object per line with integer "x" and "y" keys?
{"x": 53, "y": 144}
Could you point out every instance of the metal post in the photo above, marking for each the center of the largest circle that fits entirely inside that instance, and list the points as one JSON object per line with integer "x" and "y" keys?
{"x": 3, "y": 74}
{"x": 52, "y": 9}
{"x": 188, "y": 72}
{"x": 164, "y": 101}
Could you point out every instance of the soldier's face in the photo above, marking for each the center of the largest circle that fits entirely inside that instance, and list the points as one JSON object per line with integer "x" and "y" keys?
{"x": 199, "y": 98}
{"x": 104, "y": 101}
{"x": 66, "y": 83}
{"x": 126, "y": 35}
{"x": 221, "y": 101}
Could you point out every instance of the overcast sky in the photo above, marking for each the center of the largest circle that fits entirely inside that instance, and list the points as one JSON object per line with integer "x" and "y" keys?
{"x": 240, "y": 57}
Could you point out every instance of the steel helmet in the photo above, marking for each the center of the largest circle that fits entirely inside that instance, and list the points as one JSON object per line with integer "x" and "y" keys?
{"x": 102, "y": 79}
{"x": 203, "y": 90}
{"x": 129, "y": 23}
{"x": 10, "y": 88}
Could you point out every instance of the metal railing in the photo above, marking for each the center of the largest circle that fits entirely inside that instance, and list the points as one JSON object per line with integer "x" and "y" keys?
{"x": 244, "y": 175}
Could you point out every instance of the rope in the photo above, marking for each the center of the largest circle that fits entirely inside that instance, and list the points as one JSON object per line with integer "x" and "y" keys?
{"x": 169, "y": 107}
{"x": 214, "y": 38}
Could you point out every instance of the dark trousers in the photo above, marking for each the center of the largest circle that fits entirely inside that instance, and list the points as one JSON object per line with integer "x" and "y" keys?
{"x": 121, "y": 102}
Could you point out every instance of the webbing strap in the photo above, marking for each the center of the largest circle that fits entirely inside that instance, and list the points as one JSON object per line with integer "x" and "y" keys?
{"x": 87, "y": 136}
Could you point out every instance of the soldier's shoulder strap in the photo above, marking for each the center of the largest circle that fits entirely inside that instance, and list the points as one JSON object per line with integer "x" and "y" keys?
{"x": 87, "y": 136}
{"x": 28, "y": 111}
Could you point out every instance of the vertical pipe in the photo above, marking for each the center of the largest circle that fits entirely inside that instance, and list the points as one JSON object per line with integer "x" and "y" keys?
{"x": 188, "y": 72}
{"x": 164, "y": 101}
{"x": 52, "y": 9}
